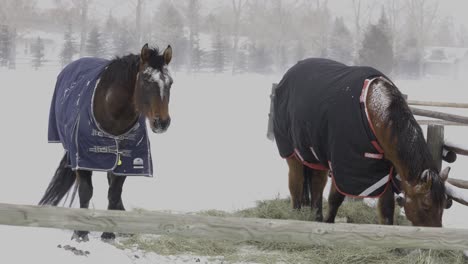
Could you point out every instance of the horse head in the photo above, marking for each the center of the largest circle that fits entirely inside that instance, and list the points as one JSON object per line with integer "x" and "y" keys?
{"x": 153, "y": 85}
{"x": 425, "y": 201}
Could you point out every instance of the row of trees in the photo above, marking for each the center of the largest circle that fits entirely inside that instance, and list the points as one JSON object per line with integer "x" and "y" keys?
{"x": 260, "y": 35}
{"x": 235, "y": 45}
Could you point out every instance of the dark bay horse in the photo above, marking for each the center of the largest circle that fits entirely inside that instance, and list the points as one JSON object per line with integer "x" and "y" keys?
{"x": 353, "y": 124}
{"x": 99, "y": 113}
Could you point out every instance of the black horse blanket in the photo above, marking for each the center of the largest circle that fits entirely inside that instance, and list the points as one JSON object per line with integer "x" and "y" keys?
{"x": 320, "y": 118}
{"x": 72, "y": 123}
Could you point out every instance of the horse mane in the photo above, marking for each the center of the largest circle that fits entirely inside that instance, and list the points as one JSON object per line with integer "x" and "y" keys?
{"x": 124, "y": 69}
{"x": 121, "y": 70}
{"x": 410, "y": 143}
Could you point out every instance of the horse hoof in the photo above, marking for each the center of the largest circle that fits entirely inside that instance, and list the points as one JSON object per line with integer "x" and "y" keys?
{"x": 107, "y": 236}
{"x": 80, "y": 236}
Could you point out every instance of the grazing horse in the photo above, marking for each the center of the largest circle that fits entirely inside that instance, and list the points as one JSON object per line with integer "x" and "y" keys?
{"x": 99, "y": 112}
{"x": 353, "y": 124}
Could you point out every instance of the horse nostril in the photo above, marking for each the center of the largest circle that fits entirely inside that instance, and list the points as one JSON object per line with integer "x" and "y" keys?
{"x": 156, "y": 122}
{"x": 165, "y": 123}
{"x": 162, "y": 124}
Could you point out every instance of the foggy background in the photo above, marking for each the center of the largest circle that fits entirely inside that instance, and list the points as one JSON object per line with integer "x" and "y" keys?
{"x": 227, "y": 54}
{"x": 402, "y": 38}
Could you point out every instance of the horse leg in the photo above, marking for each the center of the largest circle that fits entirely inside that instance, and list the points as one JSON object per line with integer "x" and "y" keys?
{"x": 296, "y": 181}
{"x": 386, "y": 207}
{"x": 114, "y": 196}
{"x": 85, "y": 192}
{"x": 335, "y": 199}
{"x": 306, "y": 190}
{"x": 317, "y": 184}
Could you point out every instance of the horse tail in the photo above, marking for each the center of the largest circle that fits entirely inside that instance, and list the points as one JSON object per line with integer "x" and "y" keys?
{"x": 60, "y": 184}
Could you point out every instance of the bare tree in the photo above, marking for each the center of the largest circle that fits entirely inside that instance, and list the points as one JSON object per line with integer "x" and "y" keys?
{"x": 357, "y": 24}
{"x": 361, "y": 12}
{"x": 193, "y": 17}
{"x": 138, "y": 20}
{"x": 421, "y": 17}
{"x": 237, "y": 6}
{"x": 395, "y": 9}
{"x": 82, "y": 6}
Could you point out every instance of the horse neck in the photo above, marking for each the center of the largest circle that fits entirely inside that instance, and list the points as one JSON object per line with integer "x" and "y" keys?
{"x": 398, "y": 132}
{"x": 114, "y": 106}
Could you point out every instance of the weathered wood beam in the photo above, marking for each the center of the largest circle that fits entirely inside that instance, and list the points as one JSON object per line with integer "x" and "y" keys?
{"x": 237, "y": 229}
{"x": 459, "y": 183}
{"x": 461, "y": 149}
{"x": 440, "y": 115}
{"x": 437, "y": 104}
{"x": 426, "y": 122}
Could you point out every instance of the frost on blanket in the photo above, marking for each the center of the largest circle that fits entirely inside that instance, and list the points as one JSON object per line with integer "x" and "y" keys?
{"x": 320, "y": 119}
{"x": 72, "y": 123}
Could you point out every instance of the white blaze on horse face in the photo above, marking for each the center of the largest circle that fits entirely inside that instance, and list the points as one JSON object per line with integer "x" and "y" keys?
{"x": 163, "y": 79}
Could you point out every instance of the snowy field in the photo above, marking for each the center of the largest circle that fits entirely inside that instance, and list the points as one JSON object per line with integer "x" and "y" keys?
{"x": 215, "y": 155}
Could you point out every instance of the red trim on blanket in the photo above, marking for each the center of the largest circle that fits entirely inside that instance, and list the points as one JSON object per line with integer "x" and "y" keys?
{"x": 356, "y": 196}
{"x": 315, "y": 166}
{"x": 364, "y": 88}
{"x": 377, "y": 146}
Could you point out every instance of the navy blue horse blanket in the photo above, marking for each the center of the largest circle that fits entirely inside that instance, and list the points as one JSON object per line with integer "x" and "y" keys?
{"x": 320, "y": 117}
{"x": 87, "y": 146}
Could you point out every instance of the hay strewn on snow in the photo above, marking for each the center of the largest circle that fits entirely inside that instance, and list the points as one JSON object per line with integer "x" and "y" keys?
{"x": 256, "y": 252}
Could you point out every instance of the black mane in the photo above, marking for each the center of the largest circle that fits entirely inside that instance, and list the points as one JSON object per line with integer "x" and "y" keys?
{"x": 124, "y": 69}
{"x": 411, "y": 146}
{"x": 121, "y": 70}
{"x": 156, "y": 61}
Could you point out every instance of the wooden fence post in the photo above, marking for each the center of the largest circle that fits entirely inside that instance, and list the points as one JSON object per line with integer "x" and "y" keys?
{"x": 435, "y": 142}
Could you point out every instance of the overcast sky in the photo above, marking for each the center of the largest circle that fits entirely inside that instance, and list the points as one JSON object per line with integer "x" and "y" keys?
{"x": 456, "y": 8}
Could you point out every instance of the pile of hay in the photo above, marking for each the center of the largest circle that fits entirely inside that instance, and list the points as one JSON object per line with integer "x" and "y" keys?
{"x": 256, "y": 252}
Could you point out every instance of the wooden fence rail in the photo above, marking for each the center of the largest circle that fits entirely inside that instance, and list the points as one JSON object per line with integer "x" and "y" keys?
{"x": 237, "y": 229}
{"x": 440, "y": 115}
{"x": 425, "y": 122}
{"x": 437, "y": 104}
{"x": 458, "y": 148}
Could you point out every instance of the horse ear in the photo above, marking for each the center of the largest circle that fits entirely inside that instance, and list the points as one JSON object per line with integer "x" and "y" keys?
{"x": 425, "y": 175}
{"x": 424, "y": 184}
{"x": 445, "y": 173}
{"x": 167, "y": 54}
{"x": 426, "y": 178}
{"x": 145, "y": 53}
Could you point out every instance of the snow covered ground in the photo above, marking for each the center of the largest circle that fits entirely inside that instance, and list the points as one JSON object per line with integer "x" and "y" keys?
{"x": 215, "y": 155}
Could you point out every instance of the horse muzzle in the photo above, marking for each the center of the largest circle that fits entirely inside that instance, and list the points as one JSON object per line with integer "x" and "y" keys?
{"x": 160, "y": 125}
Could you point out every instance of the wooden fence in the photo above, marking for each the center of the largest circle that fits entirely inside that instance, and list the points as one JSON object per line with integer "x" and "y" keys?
{"x": 441, "y": 147}
{"x": 236, "y": 229}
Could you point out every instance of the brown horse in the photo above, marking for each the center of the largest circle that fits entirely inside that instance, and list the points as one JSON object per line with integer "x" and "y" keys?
{"x": 351, "y": 105}
{"x": 99, "y": 113}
